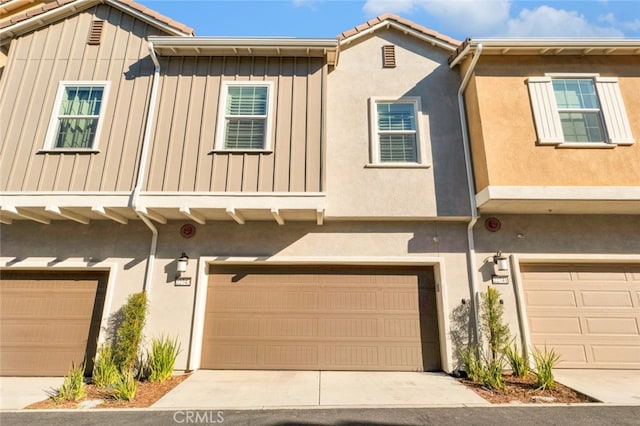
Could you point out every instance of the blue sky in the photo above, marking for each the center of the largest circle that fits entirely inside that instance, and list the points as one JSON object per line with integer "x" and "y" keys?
{"x": 455, "y": 18}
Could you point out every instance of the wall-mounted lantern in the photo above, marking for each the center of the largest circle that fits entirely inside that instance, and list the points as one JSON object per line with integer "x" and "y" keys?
{"x": 501, "y": 261}
{"x": 183, "y": 261}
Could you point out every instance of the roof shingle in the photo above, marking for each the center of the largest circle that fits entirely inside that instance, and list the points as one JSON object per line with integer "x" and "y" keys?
{"x": 130, "y": 3}
{"x": 391, "y": 17}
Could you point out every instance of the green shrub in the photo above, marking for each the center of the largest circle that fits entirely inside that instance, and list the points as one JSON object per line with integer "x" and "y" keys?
{"x": 518, "y": 362}
{"x": 162, "y": 358}
{"x": 126, "y": 386}
{"x": 493, "y": 324}
{"x": 129, "y": 334}
{"x": 545, "y": 363}
{"x": 491, "y": 374}
{"x": 105, "y": 370}
{"x": 471, "y": 363}
{"x": 72, "y": 388}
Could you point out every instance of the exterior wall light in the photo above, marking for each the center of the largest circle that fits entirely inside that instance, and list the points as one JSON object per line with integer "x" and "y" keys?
{"x": 183, "y": 261}
{"x": 501, "y": 261}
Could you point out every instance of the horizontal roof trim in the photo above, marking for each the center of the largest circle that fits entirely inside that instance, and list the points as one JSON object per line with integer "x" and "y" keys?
{"x": 246, "y": 46}
{"x": 548, "y": 46}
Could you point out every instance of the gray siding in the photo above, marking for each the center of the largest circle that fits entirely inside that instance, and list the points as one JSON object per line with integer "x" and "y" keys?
{"x": 37, "y": 62}
{"x": 181, "y": 158}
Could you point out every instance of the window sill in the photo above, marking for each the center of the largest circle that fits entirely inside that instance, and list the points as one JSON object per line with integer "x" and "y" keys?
{"x": 582, "y": 145}
{"x": 240, "y": 151}
{"x": 68, "y": 151}
{"x": 396, "y": 166}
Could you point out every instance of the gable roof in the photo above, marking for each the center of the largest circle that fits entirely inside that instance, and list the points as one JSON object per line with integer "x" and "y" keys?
{"x": 389, "y": 20}
{"x": 53, "y": 10}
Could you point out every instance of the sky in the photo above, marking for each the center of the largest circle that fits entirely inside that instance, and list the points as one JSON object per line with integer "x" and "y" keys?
{"x": 456, "y": 18}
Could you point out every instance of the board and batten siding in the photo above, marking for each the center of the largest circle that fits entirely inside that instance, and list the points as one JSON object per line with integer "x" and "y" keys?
{"x": 181, "y": 156}
{"x": 37, "y": 62}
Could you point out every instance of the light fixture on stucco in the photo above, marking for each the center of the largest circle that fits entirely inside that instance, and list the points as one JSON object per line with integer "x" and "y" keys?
{"x": 183, "y": 261}
{"x": 501, "y": 261}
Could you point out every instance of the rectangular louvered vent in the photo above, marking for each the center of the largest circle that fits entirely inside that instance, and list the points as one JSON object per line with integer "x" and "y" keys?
{"x": 95, "y": 32}
{"x": 389, "y": 56}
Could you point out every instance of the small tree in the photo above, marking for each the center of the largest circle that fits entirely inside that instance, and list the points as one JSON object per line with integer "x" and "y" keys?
{"x": 493, "y": 324}
{"x": 126, "y": 347}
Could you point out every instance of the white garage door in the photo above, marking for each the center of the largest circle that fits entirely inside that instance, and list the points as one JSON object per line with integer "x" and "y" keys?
{"x": 590, "y": 314}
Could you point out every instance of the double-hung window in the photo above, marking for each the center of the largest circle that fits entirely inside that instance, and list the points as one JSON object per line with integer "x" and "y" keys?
{"x": 77, "y": 116}
{"x": 395, "y": 131}
{"x": 244, "y": 120}
{"x": 579, "y": 110}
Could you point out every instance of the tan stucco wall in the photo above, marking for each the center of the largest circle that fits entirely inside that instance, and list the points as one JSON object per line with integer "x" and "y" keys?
{"x": 503, "y": 127}
{"x": 553, "y": 239}
{"x": 172, "y": 308}
{"x": 356, "y": 191}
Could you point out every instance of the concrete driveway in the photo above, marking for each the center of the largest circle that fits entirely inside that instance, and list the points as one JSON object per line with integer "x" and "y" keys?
{"x": 316, "y": 389}
{"x": 18, "y": 392}
{"x": 610, "y": 386}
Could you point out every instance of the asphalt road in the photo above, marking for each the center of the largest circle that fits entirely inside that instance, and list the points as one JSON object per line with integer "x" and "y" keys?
{"x": 520, "y": 416}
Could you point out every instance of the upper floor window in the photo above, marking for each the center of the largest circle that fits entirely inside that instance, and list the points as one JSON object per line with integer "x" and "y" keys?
{"x": 77, "y": 116}
{"x": 244, "y": 122}
{"x": 395, "y": 131}
{"x": 579, "y": 109}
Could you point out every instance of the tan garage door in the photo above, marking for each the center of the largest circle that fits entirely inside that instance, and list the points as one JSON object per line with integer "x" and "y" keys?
{"x": 589, "y": 314}
{"x": 324, "y": 318}
{"x": 48, "y": 320}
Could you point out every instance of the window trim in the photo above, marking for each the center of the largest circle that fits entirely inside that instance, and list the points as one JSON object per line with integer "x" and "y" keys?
{"x": 49, "y": 145}
{"x": 612, "y": 111}
{"x": 374, "y": 145}
{"x": 218, "y": 145}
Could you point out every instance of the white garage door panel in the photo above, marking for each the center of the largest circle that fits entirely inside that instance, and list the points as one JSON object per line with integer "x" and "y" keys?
{"x": 590, "y": 314}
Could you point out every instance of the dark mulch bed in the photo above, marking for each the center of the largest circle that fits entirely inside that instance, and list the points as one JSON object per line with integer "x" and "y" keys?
{"x": 523, "y": 390}
{"x": 147, "y": 394}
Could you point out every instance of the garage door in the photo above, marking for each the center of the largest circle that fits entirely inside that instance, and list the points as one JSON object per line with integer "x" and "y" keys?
{"x": 589, "y": 314}
{"x": 48, "y": 320}
{"x": 321, "y": 319}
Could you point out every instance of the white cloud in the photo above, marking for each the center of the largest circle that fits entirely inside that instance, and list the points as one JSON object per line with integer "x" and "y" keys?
{"x": 481, "y": 18}
{"x": 610, "y": 19}
{"x": 546, "y": 21}
{"x": 468, "y": 16}
{"x": 378, "y": 7}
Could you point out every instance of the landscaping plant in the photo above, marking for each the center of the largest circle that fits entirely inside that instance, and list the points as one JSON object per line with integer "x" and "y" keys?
{"x": 162, "y": 358}
{"x": 471, "y": 363}
{"x": 491, "y": 374}
{"x": 72, "y": 388}
{"x": 517, "y": 360}
{"x": 129, "y": 334}
{"x": 126, "y": 386}
{"x": 493, "y": 325}
{"x": 105, "y": 370}
{"x": 545, "y": 363}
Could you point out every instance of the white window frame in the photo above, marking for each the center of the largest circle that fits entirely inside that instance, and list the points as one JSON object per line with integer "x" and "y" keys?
{"x": 613, "y": 116}
{"x": 50, "y": 139}
{"x": 219, "y": 145}
{"x": 374, "y": 158}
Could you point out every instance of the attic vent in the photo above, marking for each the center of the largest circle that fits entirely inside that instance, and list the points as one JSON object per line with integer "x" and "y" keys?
{"x": 388, "y": 56}
{"x": 95, "y": 32}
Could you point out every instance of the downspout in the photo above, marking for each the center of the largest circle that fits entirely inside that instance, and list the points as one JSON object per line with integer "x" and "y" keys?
{"x": 142, "y": 168}
{"x": 475, "y": 297}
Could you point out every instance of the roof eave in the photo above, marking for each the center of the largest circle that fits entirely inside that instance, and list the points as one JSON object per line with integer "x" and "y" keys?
{"x": 601, "y": 46}
{"x": 38, "y": 20}
{"x": 247, "y": 46}
{"x": 434, "y": 41}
